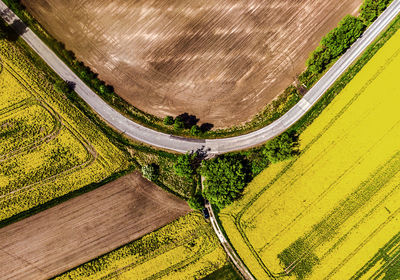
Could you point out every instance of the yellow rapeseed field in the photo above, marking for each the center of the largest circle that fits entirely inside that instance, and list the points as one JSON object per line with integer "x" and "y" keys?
{"x": 184, "y": 249}
{"x": 333, "y": 212}
{"x": 48, "y": 147}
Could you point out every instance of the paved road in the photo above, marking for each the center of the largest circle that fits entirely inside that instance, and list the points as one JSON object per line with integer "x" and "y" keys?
{"x": 213, "y": 146}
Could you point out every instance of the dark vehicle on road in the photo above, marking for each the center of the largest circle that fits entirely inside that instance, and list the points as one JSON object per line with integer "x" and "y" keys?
{"x": 205, "y": 213}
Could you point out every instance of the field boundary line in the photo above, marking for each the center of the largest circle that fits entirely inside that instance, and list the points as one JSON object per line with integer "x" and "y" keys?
{"x": 205, "y": 250}
{"x": 38, "y": 142}
{"x": 15, "y": 106}
{"x": 241, "y": 213}
{"x": 153, "y": 255}
{"x": 256, "y": 196}
{"x": 215, "y": 146}
{"x": 393, "y": 244}
{"x": 320, "y": 239}
{"x": 379, "y": 203}
{"x": 388, "y": 220}
{"x": 383, "y": 268}
{"x": 270, "y": 243}
{"x": 63, "y": 123}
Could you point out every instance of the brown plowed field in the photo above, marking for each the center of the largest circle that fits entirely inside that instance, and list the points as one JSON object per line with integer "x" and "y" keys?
{"x": 85, "y": 227}
{"x": 221, "y": 60}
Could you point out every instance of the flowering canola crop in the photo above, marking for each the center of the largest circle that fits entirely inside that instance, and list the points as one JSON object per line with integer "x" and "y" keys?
{"x": 184, "y": 249}
{"x": 333, "y": 211}
{"x": 48, "y": 147}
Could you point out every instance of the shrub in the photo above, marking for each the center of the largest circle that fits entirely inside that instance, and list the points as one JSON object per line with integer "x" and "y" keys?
{"x": 62, "y": 87}
{"x": 319, "y": 59}
{"x": 184, "y": 165}
{"x": 179, "y": 123}
{"x": 340, "y": 38}
{"x": 335, "y": 43}
{"x": 97, "y": 83}
{"x": 168, "y": 120}
{"x": 225, "y": 178}
{"x": 150, "y": 172}
{"x": 195, "y": 130}
{"x": 258, "y": 164}
{"x": 196, "y": 202}
{"x": 281, "y": 148}
{"x": 2, "y": 32}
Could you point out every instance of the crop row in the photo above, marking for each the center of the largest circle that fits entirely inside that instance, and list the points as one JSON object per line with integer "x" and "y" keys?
{"x": 324, "y": 219}
{"x": 59, "y": 149}
{"x": 183, "y": 249}
{"x": 26, "y": 128}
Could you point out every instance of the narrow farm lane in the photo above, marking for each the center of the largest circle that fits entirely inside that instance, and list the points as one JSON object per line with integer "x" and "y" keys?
{"x": 212, "y": 146}
{"x": 225, "y": 244}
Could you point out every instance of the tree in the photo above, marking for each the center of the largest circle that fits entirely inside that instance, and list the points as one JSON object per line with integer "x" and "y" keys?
{"x": 85, "y": 75}
{"x": 281, "y": 148}
{"x": 195, "y": 130}
{"x": 168, "y": 120}
{"x": 225, "y": 179}
{"x": 196, "y": 202}
{"x": 150, "y": 171}
{"x": 97, "y": 84}
{"x": 371, "y": 9}
{"x": 179, "y": 124}
{"x": 258, "y": 163}
{"x": 335, "y": 43}
{"x": 346, "y": 33}
{"x": 319, "y": 59}
{"x": 61, "y": 86}
{"x": 184, "y": 165}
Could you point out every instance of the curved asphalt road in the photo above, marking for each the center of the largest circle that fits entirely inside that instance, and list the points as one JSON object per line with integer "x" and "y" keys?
{"x": 212, "y": 146}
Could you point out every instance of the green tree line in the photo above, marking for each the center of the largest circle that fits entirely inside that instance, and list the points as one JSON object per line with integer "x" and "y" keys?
{"x": 336, "y": 42}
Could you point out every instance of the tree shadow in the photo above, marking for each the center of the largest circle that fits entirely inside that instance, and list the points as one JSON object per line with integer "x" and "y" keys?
{"x": 294, "y": 136}
{"x": 191, "y": 120}
{"x": 206, "y": 127}
{"x": 13, "y": 31}
{"x": 188, "y": 120}
{"x": 71, "y": 85}
{"x": 19, "y": 29}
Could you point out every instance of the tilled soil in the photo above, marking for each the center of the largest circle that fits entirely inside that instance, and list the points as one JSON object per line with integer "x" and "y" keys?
{"x": 69, "y": 234}
{"x": 220, "y": 60}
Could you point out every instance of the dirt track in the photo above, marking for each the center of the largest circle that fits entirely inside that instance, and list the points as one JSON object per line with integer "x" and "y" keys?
{"x": 85, "y": 227}
{"x": 222, "y": 61}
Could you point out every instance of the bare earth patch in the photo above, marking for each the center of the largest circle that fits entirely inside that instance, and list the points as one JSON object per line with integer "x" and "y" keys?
{"x": 222, "y": 61}
{"x": 85, "y": 227}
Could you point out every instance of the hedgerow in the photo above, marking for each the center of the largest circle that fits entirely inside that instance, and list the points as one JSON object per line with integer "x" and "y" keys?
{"x": 336, "y": 42}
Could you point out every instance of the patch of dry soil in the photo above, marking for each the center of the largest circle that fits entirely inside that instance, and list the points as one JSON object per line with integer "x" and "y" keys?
{"x": 76, "y": 231}
{"x": 220, "y": 60}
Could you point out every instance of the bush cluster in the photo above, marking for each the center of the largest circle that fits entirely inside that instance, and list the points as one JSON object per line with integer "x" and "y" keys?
{"x": 225, "y": 178}
{"x": 185, "y": 165}
{"x": 196, "y": 202}
{"x": 150, "y": 172}
{"x": 179, "y": 124}
{"x": 281, "y": 148}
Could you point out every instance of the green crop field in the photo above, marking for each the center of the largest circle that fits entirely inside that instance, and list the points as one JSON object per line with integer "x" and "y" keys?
{"x": 48, "y": 147}
{"x": 332, "y": 212}
{"x": 184, "y": 249}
